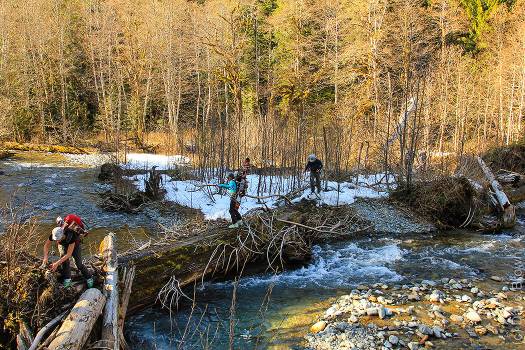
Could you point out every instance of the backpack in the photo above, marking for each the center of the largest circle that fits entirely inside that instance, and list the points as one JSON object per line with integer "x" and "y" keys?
{"x": 242, "y": 186}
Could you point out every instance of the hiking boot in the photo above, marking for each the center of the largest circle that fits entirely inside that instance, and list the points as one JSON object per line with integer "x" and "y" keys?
{"x": 67, "y": 283}
{"x": 90, "y": 282}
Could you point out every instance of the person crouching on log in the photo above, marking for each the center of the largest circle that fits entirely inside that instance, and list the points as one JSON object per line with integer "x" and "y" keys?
{"x": 231, "y": 187}
{"x": 314, "y": 165}
{"x": 68, "y": 241}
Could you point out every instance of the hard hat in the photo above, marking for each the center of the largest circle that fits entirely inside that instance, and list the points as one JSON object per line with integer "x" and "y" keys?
{"x": 57, "y": 234}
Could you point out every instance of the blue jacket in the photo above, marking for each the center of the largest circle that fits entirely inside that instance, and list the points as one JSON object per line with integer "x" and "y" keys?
{"x": 231, "y": 186}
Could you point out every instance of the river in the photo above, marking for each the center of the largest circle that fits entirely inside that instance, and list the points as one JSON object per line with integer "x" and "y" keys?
{"x": 264, "y": 311}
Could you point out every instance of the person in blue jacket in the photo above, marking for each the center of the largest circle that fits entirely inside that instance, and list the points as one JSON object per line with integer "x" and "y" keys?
{"x": 231, "y": 187}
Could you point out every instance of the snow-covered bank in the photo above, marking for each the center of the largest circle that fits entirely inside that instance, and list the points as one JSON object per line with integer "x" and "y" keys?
{"x": 216, "y": 206}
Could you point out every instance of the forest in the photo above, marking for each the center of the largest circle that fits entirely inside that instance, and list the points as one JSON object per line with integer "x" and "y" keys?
{"x": 271, "y": 79}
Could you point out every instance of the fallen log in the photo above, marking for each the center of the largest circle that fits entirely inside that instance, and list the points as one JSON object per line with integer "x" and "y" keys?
{"x": 127, "y": 277}
{"x": 77, "y": 326}
{"x": 508, "y": 217}
{"x": 108, "y": 251}
{"x": 273, "y": 240}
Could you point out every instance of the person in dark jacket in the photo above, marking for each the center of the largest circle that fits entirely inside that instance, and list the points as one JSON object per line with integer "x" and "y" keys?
{"x": 314, "y": 165}
{"x": 68, "y": 241}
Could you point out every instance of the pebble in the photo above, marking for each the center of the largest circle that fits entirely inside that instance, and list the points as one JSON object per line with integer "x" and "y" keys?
{"x": 318, "y": 327}
{"x": 496, "y": 278}
{"x": 392, "y": 339}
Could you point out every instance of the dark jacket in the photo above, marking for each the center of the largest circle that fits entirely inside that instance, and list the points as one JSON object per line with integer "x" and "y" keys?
{"x": 314, "y": 166}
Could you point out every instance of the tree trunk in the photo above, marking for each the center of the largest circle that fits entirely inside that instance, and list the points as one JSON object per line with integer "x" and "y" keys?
{"x": 76, "y": 328}
{"x": 508, "y": 218}
{"x": 108, "y": 251}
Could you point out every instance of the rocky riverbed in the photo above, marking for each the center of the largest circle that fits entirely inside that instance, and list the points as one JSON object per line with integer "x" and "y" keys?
{"x": 446, "y": 313}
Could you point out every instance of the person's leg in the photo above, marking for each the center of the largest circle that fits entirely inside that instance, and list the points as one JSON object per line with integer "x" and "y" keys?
{"x": 237, "y": 214}
{"x": 233, "y": 211}
{"x": 318, "y": 182}
{"x": 77, "y": 255}
{"x": 66, "y": 270}
{"x": 312, "y": 182}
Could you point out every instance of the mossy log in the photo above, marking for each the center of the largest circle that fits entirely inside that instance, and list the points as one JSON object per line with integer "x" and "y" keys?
{"x": 216, "y": 250}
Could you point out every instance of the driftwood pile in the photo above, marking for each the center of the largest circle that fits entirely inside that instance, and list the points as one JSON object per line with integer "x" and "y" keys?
{"x": 130, "y": 200}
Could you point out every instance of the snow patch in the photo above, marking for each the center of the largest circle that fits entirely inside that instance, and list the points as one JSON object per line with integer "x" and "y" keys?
{"x": 216, "y": 206}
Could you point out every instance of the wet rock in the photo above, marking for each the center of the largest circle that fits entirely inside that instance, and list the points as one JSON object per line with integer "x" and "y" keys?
{"x": 318, "y": 327}
{"x": 474, "y": 290}
{"x": 496, "y": 278}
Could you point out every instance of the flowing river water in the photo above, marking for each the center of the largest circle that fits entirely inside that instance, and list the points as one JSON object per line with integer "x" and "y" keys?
{"x": 264, "y": 311}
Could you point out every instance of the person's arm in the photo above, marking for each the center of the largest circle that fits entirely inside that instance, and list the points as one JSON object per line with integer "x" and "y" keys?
{"x": 46, "y": 252}
{"x": 320, "y": 165}
{"x": 307, "y": 167}
{"x": 68, "y": 255}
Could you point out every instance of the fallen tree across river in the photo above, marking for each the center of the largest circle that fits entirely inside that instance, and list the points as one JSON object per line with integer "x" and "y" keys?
{"x": 195, "y": 251}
